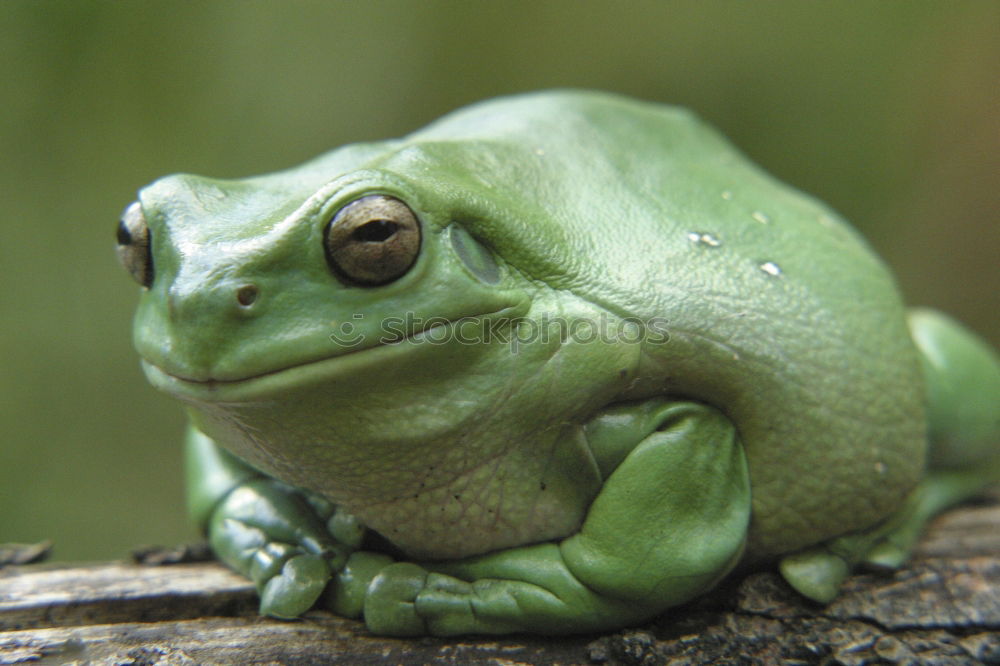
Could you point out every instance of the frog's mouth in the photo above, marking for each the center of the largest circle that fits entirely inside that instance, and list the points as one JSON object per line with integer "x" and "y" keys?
{"x": 308, "y": 372}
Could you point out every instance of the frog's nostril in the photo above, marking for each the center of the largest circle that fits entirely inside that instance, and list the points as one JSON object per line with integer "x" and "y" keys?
{"x": 247, "y": 295}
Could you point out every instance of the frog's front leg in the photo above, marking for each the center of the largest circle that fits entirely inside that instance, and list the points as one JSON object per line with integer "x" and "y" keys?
{"x": 287, "y": 541}
{"x": 669, "y": 522}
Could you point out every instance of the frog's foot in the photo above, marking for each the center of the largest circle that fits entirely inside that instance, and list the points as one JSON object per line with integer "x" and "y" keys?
{"x": 940, "y": 490}
{"x": 288, "y": 541}
{"x": 817, "y": 572}
{"x": 406, "y": 599}
{"x": 275, "y": 536}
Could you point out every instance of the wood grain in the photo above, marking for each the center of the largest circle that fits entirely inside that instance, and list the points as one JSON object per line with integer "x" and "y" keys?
{"x": 942, "y": 608}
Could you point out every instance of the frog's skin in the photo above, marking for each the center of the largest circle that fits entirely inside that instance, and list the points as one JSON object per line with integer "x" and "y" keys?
{"x": 379, "y": 424}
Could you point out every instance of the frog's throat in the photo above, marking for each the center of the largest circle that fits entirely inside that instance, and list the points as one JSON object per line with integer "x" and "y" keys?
{"x": 272, "y": 382}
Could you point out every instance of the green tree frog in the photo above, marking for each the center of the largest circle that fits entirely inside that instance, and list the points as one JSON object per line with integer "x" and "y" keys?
{"x": 554, "y": 363}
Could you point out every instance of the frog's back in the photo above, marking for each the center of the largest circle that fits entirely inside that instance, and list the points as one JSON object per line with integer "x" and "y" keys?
{"x": 777, "y": 312}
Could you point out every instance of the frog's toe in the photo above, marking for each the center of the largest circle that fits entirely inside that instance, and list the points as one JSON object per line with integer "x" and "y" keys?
{"x": 273, "y": 537}
{"x": 295, "y": 588}
{"x": 815, "y": 573}
{"x": 887, "y": 555}
{"x": 939, "y": 490}
{"x": 288, "y": 580}
{"x": 390, "y": 604}
{"x": 346, "y": 596}
{"x": 447, "y": 605}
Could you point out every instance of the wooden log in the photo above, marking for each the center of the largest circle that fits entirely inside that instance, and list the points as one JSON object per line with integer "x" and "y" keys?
{"x": 942, "y": 608}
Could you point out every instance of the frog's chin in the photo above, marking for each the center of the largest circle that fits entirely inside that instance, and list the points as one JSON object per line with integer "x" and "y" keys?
{"x": 264, "y": 385}
{"x": 270, "y": 384}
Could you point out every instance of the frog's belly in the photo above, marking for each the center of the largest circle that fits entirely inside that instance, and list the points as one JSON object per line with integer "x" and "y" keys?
{"x": 445, "y": 524}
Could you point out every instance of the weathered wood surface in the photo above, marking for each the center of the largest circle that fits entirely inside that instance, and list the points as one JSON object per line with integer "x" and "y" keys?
{"x": 943, "y": 608}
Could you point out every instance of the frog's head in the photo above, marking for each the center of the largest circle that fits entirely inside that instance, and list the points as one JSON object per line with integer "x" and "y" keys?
{"x": 359, "y": 309}
{"x": 252, "y": 285}
{"x": 351, "y": 319}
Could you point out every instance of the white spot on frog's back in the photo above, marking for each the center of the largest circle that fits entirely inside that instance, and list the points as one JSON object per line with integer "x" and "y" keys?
{"x": 699, "y": 238}
{"x": 760, "y": 217}
{"x": 770, "y": 268}
{"x": 727, "y": 195}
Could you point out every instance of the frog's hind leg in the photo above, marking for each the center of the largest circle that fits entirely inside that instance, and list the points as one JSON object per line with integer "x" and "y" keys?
{"x": 963, "y": 427}
{"x": 962, "y": 375}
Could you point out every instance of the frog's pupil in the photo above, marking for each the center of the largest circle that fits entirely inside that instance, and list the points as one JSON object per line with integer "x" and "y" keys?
{"x": 124, "y": 237}
{"x": 375, "y": 231}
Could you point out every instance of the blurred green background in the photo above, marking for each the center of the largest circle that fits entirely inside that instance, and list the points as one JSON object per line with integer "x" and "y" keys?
{"x": 888, "y": 110}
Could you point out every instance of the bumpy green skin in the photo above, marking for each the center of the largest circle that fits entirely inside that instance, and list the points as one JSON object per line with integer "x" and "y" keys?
{"x": 773, "y": 407}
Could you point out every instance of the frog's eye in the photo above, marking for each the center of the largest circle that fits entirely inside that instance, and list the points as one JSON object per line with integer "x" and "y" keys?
{"x": 372, "y": 240}
{"x": 134, "y": 250}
